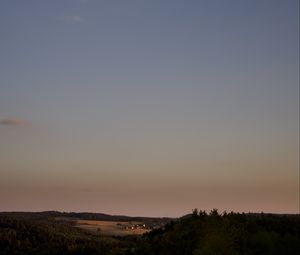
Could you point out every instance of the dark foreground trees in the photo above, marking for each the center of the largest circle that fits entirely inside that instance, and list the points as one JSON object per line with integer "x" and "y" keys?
{"x": 49, "y": 237}
{"x": 196, "y": 234}
{"x": 227, "y": 234}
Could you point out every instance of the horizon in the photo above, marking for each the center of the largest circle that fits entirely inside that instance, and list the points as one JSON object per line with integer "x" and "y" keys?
{"x": 149, "y": 107}
{"x": 154, "y": 216}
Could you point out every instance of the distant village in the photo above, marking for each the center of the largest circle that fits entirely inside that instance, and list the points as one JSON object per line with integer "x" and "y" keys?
{"x": 139, "y": 226}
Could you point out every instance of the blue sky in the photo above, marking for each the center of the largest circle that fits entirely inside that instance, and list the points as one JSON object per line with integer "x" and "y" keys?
{"x": 153, "y": 107}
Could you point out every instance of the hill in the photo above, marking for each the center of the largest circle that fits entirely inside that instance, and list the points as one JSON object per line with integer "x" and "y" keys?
{"x": 226, "y": 234}
{"x": 198, "y": 233}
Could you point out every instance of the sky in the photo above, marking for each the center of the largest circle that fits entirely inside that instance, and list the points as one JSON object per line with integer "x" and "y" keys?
{"x": 149, "y": 107}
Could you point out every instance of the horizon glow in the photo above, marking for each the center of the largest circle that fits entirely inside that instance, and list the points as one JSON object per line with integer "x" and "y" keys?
{"x": 149, "y": 108}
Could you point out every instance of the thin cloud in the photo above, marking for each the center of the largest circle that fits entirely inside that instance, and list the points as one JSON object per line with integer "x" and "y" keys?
{"x": 13, "y": 122}
{"x": 71, "y": 19}
{"x": 86, "y": 190}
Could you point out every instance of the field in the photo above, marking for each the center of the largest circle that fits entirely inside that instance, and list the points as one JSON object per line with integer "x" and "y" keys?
{"x": 52, "y": 233}
{"x": 113, "y": 228}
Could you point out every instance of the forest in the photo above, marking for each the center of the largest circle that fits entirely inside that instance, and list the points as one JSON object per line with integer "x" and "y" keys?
{"x": 198, "y": 233}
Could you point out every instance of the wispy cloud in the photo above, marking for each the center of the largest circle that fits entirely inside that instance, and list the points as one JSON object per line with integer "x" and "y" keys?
{"x": 13, "y": 122}
{"x": 86, "y": 190}
{"x": 71, "y": 19}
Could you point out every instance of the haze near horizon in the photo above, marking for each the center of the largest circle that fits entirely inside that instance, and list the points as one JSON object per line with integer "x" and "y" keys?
{"x": 149, "y": 108}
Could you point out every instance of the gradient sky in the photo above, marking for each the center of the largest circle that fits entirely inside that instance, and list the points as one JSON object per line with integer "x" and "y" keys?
{"x": 149, "y": 107}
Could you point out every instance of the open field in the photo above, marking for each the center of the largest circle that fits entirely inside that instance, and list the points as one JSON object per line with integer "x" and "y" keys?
{"x": 113, "y": 228}
{"x": 54, "y": 233}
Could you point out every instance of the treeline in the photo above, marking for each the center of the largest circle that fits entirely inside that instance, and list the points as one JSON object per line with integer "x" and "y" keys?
{"x": 200, "y": 233}
{"x": 83, "y": 216}
{"x": 49, "y": 237}
{"x": 226, "y": 234}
